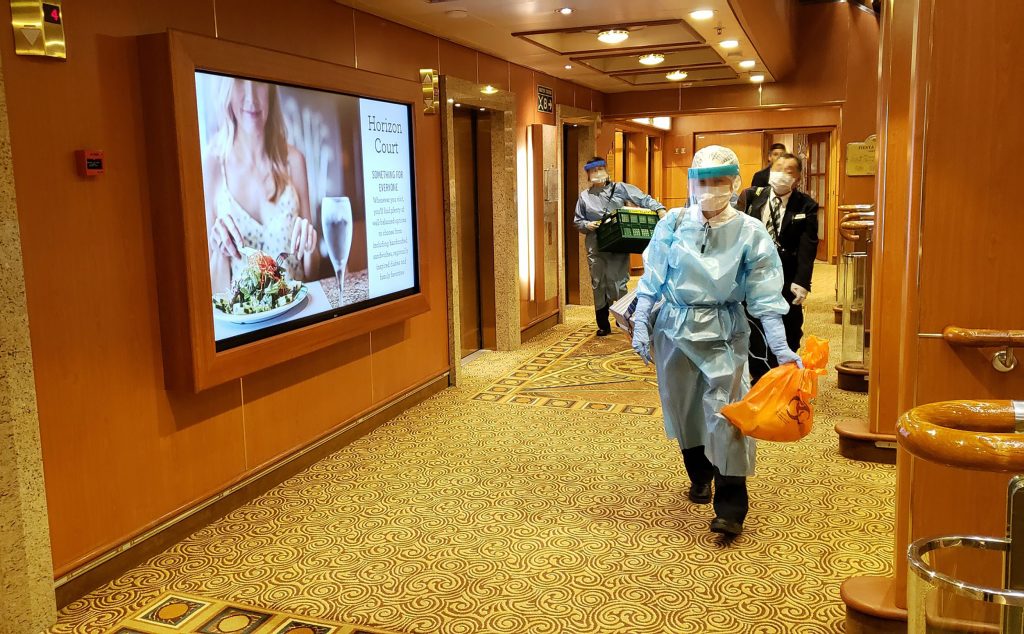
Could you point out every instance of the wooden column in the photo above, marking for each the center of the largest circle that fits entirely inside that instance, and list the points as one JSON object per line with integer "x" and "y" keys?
{"x": 27, "y": 602}
{"x": 946, "y": 252}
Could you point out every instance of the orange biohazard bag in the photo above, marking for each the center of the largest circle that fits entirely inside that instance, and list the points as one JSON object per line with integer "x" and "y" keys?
{"x": 779, "y": 407}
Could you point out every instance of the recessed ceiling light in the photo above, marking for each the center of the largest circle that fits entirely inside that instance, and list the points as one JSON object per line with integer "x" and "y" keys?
{"x": 565, "y": 11}
{"x": 702, "y": 14}
{"x": 757, "y": 79}
{"x": 458, "y": 105}
{"x": 748, "y": 63}
{"x": 450, "y": 100}
{"x": 568, "y": 67}
{"x": 676, "y": 75}
{"x": 729, "y": 43}
{"x": 457, "y": 13}
{"x": 488, "y": 90}
{"x": 652, "y": 59}
{"x": 482, "y": 109}
{"x": 613, "y": 36}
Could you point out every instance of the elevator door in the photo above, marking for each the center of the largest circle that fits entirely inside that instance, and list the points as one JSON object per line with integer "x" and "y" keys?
{"x": 467, "y": 214}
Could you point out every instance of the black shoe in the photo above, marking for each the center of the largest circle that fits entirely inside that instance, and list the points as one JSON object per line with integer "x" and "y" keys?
{"x": 700, "y": 493}
{"x": 603, "y": 332}
{"x": 722, "y": 526}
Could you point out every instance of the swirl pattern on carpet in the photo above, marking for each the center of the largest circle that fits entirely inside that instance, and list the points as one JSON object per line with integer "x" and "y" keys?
{"x": 466, "y": 516}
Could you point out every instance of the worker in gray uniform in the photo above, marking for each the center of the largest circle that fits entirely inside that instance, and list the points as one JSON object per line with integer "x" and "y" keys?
{"x": 609, "y": 272}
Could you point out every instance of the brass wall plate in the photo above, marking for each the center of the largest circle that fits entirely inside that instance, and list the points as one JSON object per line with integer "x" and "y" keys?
{"x": 38, "y": 28}
{"x": 428, "y": 77}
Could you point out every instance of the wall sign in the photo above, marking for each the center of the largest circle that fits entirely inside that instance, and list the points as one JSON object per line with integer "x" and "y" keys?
{"x": 861, "y": 158}
{"x": 38, "y": 28}
{"x": 428, "y": 78}
{"x": 545, "y": 99}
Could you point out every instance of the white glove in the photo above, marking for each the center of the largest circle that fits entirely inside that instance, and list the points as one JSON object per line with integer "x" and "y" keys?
{"x": 800, "y": 294}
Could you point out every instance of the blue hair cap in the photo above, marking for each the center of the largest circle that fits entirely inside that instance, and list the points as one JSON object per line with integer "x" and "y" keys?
{"x": 713, "y": 171}
{"x": 591, "y": 165}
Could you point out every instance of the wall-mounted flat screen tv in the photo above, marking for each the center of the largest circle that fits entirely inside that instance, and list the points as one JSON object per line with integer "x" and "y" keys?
{"x": 310, "y": 205}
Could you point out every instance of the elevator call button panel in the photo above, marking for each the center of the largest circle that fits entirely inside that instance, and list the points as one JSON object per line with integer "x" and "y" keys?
{"x": 38, "y": 28}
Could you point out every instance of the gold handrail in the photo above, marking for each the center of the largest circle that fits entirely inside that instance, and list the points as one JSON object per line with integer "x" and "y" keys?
{"x": 982, "y": 338}
{"x": 978, "y": 435}
{"x": 848, "y": 227}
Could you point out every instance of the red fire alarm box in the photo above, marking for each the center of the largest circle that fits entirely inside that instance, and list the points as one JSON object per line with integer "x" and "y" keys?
{"x": 90, "y": 162}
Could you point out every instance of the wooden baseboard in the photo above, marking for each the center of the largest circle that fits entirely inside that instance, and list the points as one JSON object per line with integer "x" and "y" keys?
{"x": 858, "y": 442}
{"x": 535, "y": 329}
{"x": 120, "y": 560}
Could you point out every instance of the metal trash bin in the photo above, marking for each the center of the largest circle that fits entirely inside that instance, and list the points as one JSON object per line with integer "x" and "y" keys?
{"x": 941, "y": 602}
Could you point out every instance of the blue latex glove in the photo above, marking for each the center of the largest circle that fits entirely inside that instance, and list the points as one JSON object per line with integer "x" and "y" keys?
{"x": 641, "y": 334}
{"x": 775, "y": 336}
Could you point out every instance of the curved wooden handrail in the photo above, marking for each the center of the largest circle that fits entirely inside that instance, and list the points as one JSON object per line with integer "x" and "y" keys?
{"x": 856, "y": 207}
{"x": 982, "y": 338}
{"x": 857, "y": 215}
{"x": 978, "y": 435}
{"x": 848, "y": 227}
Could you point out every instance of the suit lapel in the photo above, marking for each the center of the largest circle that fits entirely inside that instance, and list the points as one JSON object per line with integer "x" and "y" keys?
{"x": 794, "y": 202}
{"x": 756, "y": 209}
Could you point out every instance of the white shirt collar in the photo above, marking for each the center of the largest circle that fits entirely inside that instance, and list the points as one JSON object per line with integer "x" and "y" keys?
{"x": 784, "y": 199}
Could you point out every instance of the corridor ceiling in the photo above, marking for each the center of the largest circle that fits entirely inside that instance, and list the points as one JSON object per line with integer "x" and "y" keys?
{"x": 535, "y": 34}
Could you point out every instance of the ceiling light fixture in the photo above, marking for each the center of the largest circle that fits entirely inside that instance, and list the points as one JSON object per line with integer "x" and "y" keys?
{"x": 458, "y": 14}
{"x": 450, "y": 100}
{"x": 702, "y": 14}
{"x": 565, "y": 11}
{"x": 757, "y": 78}
{"x": 652, "y": 59}
{"x": 568, "y": 67}
{"x": 676, "y": 75}
{"x": 482, "y": 109}
{"x": 488, "y": 90}
{"x": 613, "y": 36}
{"x": 458, "y": 105}
{"x": 748, "y": 63}
{"x": 729, "y": 43}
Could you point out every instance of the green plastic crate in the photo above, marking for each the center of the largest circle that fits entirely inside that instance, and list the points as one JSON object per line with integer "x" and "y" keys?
{"x": 627, "y": 230}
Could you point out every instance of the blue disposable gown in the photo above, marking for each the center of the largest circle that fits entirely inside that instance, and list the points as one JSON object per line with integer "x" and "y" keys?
{"x": 609, "y": 272}
{"x": 700, "y": 335}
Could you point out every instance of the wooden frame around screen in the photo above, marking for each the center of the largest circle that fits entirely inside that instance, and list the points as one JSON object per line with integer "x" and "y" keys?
{"x": 168, "y": 64}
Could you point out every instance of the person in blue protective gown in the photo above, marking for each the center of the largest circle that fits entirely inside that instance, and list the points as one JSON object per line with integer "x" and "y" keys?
{"x": 609, "y": 272}
{"x": 705, "y": 261}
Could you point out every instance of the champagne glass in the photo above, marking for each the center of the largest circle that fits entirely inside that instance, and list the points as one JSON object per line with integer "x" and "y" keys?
{"x": 336, "y": 217}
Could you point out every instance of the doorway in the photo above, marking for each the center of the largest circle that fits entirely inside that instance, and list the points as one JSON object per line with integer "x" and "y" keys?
{"x": 474, "y": 229}
{"x": 571, "y": 136}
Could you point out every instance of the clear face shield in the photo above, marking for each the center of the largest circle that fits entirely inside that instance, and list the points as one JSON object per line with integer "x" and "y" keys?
{"x": 597, "y": 172}
{"x": 713, "y": 187}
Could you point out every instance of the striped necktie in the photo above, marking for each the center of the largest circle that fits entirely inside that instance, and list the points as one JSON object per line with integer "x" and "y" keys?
{"x": 773, "y": 218}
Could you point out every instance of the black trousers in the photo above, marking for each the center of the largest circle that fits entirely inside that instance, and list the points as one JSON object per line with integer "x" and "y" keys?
{"x": 602, "y": 318}
{"x": 761, "y": 358}
{"x": 731, "y": 500}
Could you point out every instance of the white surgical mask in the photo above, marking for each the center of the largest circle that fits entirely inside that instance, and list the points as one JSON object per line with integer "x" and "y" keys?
{"x": 715, "y": 198}
{"x": 781, "y": 182}
{"x": 599, "y": 176}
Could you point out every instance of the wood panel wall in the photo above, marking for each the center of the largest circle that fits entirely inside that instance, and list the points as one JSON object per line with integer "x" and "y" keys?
{"x": 121, "y": 453}
{"x": 948, "y": 248}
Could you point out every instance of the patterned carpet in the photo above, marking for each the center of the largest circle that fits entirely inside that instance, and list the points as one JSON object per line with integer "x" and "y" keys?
{"x": 470, "y": 516}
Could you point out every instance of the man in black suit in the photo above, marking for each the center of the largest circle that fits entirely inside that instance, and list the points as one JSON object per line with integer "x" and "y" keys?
{"x": 761, "y": 178}
{"x": 791, "y": 218}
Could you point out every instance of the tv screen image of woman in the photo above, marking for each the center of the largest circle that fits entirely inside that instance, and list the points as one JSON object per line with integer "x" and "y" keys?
{"x": 286, "y": 209}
